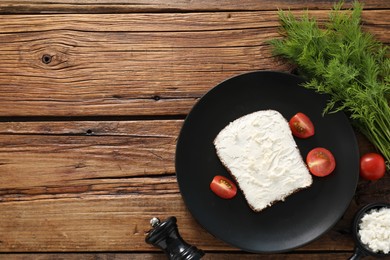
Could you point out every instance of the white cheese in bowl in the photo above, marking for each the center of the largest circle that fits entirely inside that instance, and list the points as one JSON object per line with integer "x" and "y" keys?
{"x": 374, "y": 230}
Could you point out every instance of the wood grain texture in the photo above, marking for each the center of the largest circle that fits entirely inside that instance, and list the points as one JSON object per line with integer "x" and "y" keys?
{"x": 43, "y": 154}
{"x": 123, "y": 6}
{"x": 65, "y": 188}
{"x": 126, "y": 65}
{"x": 113, "y": 223}
{"x": 93, "y": 94}
{"x": 160, "y": 256}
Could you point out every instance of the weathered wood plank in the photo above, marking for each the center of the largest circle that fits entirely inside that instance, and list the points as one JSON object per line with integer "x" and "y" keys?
{"x": 49, "y": 153}
{"x": 161, "y": 256}
{"x": 87, "y": 224}
{"x": 132, "y": 129}
{"x": 102, "y": 186}
{"x": 164, "y": 22}
{"x": 120, "y": 6}
{"x": 113, "y": 223}
{"x": 104, "y": 65}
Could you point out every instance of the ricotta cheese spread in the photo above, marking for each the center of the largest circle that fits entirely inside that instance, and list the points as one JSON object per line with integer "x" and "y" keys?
{"x": 260, "y": 152}
{"x": 374, "y": 230}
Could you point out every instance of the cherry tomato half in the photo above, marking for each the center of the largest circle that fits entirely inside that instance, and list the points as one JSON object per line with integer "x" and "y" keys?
{"x": 223, "y": 187}
{"x": 372, "y": 166}
{"x": 320, "y": 161}
{"x": 301, "y": 126}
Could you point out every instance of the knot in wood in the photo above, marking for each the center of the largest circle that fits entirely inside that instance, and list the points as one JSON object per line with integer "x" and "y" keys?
{"x": 46, "y": 58}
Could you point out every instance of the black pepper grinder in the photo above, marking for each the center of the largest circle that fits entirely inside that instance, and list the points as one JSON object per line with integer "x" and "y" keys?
{"x": 165, "y": 235}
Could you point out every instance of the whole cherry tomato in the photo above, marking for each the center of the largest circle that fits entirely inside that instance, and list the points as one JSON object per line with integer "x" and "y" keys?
{"x": 372, "y": 166}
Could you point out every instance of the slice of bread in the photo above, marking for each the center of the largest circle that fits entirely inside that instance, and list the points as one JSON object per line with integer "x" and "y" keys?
{"x": 260, "y": 152}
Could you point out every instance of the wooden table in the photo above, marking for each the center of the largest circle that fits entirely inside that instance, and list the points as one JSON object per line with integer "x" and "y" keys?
{"x": 92, "y": 97}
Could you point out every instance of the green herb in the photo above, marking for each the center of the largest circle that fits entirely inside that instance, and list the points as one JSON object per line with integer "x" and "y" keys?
{"x": 340, "y": 59}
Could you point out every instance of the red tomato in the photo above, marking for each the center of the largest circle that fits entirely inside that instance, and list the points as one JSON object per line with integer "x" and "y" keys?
{"x": 372, "y": 166}
{"x": 320, "y": 161}
{"x": 223, "y": 187}
{"x": 301, "y": 125}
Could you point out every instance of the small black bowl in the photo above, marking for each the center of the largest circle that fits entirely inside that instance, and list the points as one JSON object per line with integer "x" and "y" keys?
{"x": 360, "y": 248}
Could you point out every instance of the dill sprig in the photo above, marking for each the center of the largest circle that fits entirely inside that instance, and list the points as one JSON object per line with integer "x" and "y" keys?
{"x": 340, "y": 59}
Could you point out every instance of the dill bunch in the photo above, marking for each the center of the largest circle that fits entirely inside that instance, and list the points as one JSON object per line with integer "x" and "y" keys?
{"x": 340, "y": 59}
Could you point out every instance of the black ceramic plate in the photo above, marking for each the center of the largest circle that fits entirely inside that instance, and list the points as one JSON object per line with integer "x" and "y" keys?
{"x": 303, "y": 216}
